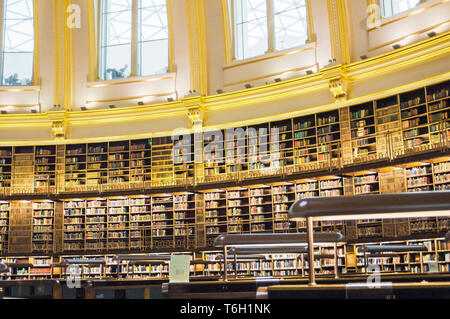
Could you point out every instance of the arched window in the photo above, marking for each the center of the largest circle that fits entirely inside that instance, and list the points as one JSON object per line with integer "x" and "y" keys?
{"x": 134, "y": 38}
{"x": 17, "y": 42}
{"x": 259, "y": 26}
{"x": 392, "y": 7}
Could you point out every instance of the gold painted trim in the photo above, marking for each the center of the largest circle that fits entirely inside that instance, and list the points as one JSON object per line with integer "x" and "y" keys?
{"x": 305, "y": 47}
{"x": 19, "y": 105}
{"x": 274, "y": 117}
{"x": 8, "y": 89}
{"x": 408, "y": 35}
{"x": 191, "y": 44}
{"x": 93, "y": 51}
{"x": 100, "y": 84}
{"x": 226, "y": 31}
{"x": 134, "y": 39}
{"x": 334, "y": 45}
{"x": 270, "y": 75}
{"x": 57, "y": 24}
{"x": 311, "y": 37}
{"x": 131, "y": 98}
{"x": 403, "y": 16}
{"x": 202, "y": 43}
{"x": 68, "y": 59}
{"x": 343, "y": 31}
{"x": 36, "y": 54}
{"x": 171, "y": 36}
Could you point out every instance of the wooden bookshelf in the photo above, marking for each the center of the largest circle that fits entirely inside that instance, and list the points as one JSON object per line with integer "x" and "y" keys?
{"x": 282, "y": 146}
{"x": 140, "y": 222}
{"x": 261, "y": 214}
{"x": 414, "y": 118}
{"x": 388, "y": 126}
{"x": 162, "y": 221}
{"x": 118, "y": 223}
{"x": 45, "y": 169}
{"x": 215, "y": 213}
{"x": 74, "y": 225}
{"x": 43, "y": 226}
{"x": 162, "y": 161}
{"x": 75, "y": 175}
{"x": 96, "y": 224}
{"x": 214, "y": 155}
{"x": 328, "y": 136}
{"x": 305, "y": 139}
{"x": 363, "y": 130}
{"x": 5, "y": 168}
{"x": 238, "y": 218}
{"x": 283, "y": 196}
{"x": 4, "y": 225}
{"x": 438, "y": 104}
{"x": 97, "y": 165}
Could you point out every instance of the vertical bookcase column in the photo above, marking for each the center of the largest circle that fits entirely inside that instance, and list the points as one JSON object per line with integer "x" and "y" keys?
{"x": 60, "y": 168}
{"x": 200, "y": 227}
{"x": 58, "y": 241}
{"x": 346, "y": 141}
{"x": 392, "y": 181}
{"x": 196, "y": 116}
{"x": 20, "y": 228}
{"x": 23, "y": 169}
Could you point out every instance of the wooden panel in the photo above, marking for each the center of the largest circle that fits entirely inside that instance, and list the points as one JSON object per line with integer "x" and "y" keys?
{"x": 20, "y": 228}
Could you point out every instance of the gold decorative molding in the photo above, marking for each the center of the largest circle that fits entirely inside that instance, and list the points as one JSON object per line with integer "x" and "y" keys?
{"x": 195, "y": 110}
{"x": 197, "y": 44}
{"x": 59, "y": 129}
{"x": 338, "y": 82}
{"x": 339, "y": 88}
{"x": 337, "y": 16}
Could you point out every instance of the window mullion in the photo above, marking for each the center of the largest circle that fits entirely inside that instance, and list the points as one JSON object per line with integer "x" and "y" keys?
{"x": 270, "y": 26}
{"x": 134, "y": 38}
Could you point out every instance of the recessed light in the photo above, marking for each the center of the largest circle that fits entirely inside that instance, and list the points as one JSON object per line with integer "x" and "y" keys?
{"x": 431, "y": 34}
{"x": 363, "y": 57}
{"x": 277, "y": 80}
{"x": 309, "y": 72}
{"x": 396, "y": 46}
{"x": 219, "y": 91}
{"x": 248, "y": 86}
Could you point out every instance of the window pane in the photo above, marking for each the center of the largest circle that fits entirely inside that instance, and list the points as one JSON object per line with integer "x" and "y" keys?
{"x": 291, "y": 23}
{"x": 116, "y": 64}
{"x": 250, "y": 20}
{"x": 392, "y": 7}
{"x": 153, "y": 43}
{"x": 116, "y": 26}
{"x": 18, "y": 42}
{"x": 154, "y": 57}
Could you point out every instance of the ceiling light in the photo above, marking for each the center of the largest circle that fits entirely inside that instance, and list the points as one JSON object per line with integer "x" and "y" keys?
{"x": 248, "y": 86}
{"x": 396, "y": 46}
